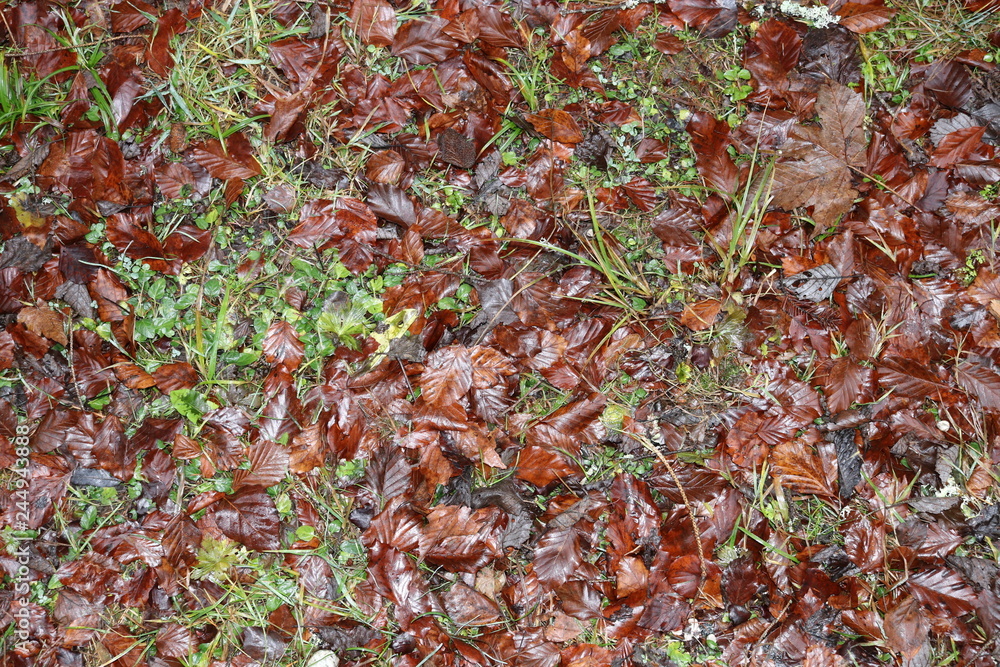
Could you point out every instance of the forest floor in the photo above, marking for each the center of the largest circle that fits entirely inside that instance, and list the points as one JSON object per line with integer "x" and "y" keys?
{"x": 499, "y": 333}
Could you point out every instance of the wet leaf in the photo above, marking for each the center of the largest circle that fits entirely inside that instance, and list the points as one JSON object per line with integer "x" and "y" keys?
{"x": 282, "y": 345}
{"x": 44, "y": 321}
{"x": 249, "y": 517}
{"x": 815, "y": 164}
{"x": 423, "y": 41}
{"x": 555, "y": 124}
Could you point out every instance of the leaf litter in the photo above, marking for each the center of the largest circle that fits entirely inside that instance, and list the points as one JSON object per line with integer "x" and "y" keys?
{"x": 547, "y": 437}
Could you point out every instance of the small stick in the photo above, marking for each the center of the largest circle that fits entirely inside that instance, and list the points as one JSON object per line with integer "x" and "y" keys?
{"x": 702, "y": 563}
{"x": 96, "y": 42}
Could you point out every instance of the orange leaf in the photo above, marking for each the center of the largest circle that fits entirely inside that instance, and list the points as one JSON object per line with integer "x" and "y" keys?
{"x": 700, "y": 316}
{"x": 557, "y": 125}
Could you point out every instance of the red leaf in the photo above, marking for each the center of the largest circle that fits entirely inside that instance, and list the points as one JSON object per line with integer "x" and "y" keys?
{"x": 447, "y": 376}
{"x": 798, "y": 469}
{"x": 462, "y": 540}
{"x": 912, "y": 380}
{"x": 981, "y": 382}
{"x": 957, "y": 146}
{"x": 558, "y": 554}
{"x": 45, "y": 322}
{"x": 187, "y": 243}
{"x": 268, "y": 465}
{"x": 227, "y": 163}
{"x": 391, "y": 203}
{"x": 159, "y": 56}
{"x": 389, "y": 474}
{"x": 180, "y": 375}
{"x": 541, "y": 466}
{"x": 668, "y": 44}
{"x": 466, "y": 606}
{"x": 174, "y": 641}
{"x": 127, "y": 233}
{"x": 709, "y": 140}
{"x": 906, "y": 630}
{"x": 844, "y": 384}
{"x": 701, "y": 315}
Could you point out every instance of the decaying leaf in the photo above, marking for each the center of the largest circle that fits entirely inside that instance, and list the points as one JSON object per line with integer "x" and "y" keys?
{"x": 815, "y": 284}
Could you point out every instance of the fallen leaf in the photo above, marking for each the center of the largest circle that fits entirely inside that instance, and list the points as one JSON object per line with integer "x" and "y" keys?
{"x": 44, "y": 321}
{"x": 814, "y": 167}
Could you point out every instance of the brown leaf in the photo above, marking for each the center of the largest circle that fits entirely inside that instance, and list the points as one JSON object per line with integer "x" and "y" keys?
{"x": 456, "y": 149}
{"x": 282, "y": 345}
{"x": 447, "y": 376}
{"x": 815, "y": 164}
{"x": 460, "y": 539}
{"x": 555, "y": 124}
{"x": 563, "y": 628}
{"x": 542, "y": 466}
{"x": 226, "y": 163}
{"x": 863, "y": 18}
{"x": 268, "y": 465}
{"x": 174, "y": 641}
{"x": 558, "y": 554}
{"x": 423, "y": 41}
{"x": 709, "y": 140}
{"x": 249, "y": 517}
{"x": 912, "y": 380}
{"x": 385, "y": 167}
{"x": 668, "y": 44}
{"x": 44, "y": 321}
{"x": 957, "y": 146}
{"x": 180, "y": 375}
{"x": 159, "y": 55}
{"x": 906, "y": 629}
{"x": 374, "y": 21}
{"x": 466, "y": 606}
{"x": 844, "y": 384}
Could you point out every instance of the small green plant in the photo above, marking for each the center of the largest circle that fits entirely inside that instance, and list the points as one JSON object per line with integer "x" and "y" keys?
{"x": 968, "y": 271}
{"x": 216, "y": 558}
{"x": 531, "y": 72}
{"x": 22, "y": 96}
{"x": 738, "y": 87}
{"x": 191, "y": 404}
{"x": 748, "y": 210}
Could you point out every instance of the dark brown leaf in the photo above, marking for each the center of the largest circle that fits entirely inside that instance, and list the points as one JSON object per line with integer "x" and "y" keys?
{"x": 456, "y": 149}
{"x": 374, "y": 21}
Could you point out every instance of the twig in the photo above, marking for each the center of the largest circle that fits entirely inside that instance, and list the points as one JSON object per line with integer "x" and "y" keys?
{"x": 96, "y": 42}
{"x": 599, "y": 8}
{"x": 702, "y": 563}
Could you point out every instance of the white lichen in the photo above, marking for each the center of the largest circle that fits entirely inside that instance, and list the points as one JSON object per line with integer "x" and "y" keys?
{"x": 950, "y": 490}
{"x": 818, "y": 16}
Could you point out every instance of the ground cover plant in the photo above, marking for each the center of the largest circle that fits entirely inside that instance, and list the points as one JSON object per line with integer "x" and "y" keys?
{"x": 412, "y": 332}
